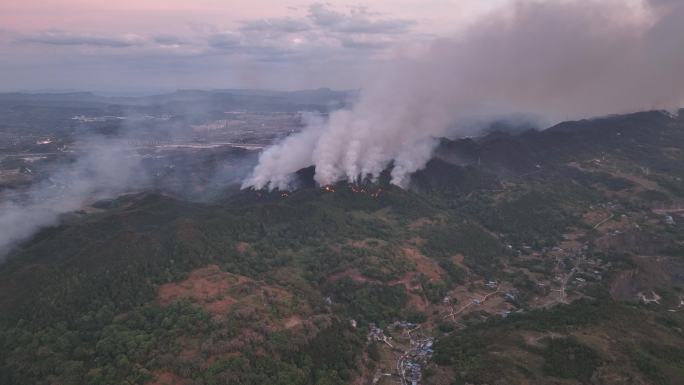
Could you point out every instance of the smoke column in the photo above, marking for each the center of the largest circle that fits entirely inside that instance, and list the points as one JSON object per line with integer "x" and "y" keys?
{"x": 556, "y": 59}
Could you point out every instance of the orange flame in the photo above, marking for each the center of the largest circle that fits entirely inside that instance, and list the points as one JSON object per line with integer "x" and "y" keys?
{"x": 357, "y": 189}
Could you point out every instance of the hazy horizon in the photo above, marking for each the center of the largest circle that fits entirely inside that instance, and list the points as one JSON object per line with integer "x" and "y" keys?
{"x": 152, "y": 45}
{"x": 133, "y": 92}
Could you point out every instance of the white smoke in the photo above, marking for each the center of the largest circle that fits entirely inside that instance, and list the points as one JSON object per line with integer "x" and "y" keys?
{"x": 558, "y": 59}
{"x": 106, "y": 168}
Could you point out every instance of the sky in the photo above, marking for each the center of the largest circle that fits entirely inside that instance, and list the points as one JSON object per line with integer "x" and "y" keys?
{"x": 133, "y": 46}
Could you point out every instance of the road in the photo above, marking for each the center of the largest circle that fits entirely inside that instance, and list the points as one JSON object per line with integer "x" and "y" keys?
{"x": 469, "y": 304}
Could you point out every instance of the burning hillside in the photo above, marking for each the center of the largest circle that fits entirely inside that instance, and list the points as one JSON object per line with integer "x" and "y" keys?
{"x": 608, "y": 57}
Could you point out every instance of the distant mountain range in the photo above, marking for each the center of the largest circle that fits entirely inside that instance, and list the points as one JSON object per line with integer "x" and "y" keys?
{"x": 229, "y": 98}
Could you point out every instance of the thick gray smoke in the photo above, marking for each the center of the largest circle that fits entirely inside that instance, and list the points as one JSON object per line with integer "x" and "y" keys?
{"x": 557, "y": 59}
{"x": 106, "y": 168}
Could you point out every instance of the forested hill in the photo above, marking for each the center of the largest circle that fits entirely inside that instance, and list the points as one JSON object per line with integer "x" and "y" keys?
{"x": 544, "y": 257}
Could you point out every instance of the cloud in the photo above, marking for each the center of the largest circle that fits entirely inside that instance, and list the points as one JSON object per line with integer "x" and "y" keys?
{"x": 364, "y": 42}
{"x": 323, "y": 31}
{"x": 168, "y": 40}
{"x": 293, "y": 51}
{"x": 282, "y": 25}
{"x": 322, "y": 15}
{"x": 225, "y": 41}
{"x": 62, "y": 38}
{"x": 358, "y": 20}
{"x": 260, "y": 48}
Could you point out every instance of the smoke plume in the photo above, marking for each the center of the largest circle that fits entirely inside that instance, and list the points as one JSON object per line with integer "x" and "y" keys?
{"x": 556, "y": 59}
{"x": 106, "y": 168}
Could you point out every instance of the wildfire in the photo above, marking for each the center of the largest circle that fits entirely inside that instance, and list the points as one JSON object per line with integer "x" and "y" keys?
{"x": 284, "y": 194}
{"x": 357, "y": 189}
{"x": 377, "y": 193}
{"x": 354, "y": 188}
